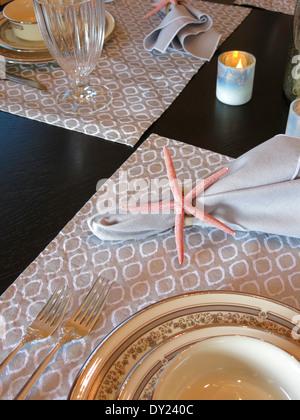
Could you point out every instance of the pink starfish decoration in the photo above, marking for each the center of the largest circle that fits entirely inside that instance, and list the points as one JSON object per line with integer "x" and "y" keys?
{"x": 182, "y": 204}
{"x": 158, "y": 6}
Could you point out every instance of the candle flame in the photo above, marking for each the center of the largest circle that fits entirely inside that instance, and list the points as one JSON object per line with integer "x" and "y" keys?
{"x": 239, "y": 65}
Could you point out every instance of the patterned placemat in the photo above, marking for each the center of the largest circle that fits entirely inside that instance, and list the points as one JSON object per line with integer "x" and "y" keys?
{"x": 143, "y": 84}
{"x": 283, "y": 6}
{"x": 144, "y": 271}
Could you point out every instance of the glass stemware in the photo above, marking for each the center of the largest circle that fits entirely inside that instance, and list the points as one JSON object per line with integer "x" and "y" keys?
{"x": 74, "y": 31}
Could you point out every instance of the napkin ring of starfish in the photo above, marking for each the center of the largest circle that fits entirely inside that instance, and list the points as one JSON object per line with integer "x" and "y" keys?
{"x": 182, "y": 204}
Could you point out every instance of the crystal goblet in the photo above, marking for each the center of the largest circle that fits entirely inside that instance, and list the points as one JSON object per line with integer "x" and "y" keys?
{"x": 74, "y": 31}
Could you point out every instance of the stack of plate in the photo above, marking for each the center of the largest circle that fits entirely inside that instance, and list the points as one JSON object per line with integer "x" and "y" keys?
{"x": 17, "y": 50}
{"x": 143, "y": 358}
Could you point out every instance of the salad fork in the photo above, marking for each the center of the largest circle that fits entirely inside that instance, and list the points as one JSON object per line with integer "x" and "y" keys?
{"x": 45, "y": 324}
{"x": 76, "y": 328}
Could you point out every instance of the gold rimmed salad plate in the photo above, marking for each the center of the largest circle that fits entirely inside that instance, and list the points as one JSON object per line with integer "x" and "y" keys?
{"x": 104, "y": 375}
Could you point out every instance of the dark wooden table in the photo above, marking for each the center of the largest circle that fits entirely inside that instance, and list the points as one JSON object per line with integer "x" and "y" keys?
{"x": 48, "y": 173}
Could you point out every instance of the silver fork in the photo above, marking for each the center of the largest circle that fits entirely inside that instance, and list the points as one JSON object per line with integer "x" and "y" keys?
{"x": 45, "y": 324}
{"x": 76, "y": 328}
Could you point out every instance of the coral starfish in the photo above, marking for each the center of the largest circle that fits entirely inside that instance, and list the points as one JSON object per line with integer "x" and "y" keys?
{"x": 182, "y": 204}
{"x": 158, "y": 6}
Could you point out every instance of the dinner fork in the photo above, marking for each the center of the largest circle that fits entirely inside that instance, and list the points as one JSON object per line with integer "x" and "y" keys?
{"x": 45, "y": 324}
{"x": 76, "y": 328}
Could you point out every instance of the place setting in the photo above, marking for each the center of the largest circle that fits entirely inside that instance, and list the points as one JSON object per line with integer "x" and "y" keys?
{"x": 21, "y": 39}
{"x": 123, "y": 73}
{"x": 144, "y": 366}
{"x": 138, "y": 357}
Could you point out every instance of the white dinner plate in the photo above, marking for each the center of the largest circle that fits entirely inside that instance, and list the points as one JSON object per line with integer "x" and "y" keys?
{"x": 17, "y": 50}
{"x": 142, "y": 380}
{"x": 15, "y": 57}
{"x": 116, "y": 356}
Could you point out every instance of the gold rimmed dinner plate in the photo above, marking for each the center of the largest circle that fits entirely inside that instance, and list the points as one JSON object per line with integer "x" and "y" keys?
{"x": 16, "y": 57}
{"x": 106, "y": 373}
{"x": 16, "y": 50}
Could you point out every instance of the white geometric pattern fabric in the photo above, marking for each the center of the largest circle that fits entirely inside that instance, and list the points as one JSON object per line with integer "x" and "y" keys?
{"x": 144, "y": 271}
{"x": 143, "y": 84}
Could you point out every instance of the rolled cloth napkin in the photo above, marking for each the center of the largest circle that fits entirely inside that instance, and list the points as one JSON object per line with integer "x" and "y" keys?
{"x": 185, "y": 29}
{"x": 260, "y": 192}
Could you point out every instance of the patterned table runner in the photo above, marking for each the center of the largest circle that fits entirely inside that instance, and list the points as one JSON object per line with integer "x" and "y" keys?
{"x": 144, "y": 271}
{"x": 283, "y": 6}
{"x": 143, "y": 84}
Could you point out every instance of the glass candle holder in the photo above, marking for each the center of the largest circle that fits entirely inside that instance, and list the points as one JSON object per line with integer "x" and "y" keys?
{"x": 293, "y": 123}
{"x": 235, "y": 79}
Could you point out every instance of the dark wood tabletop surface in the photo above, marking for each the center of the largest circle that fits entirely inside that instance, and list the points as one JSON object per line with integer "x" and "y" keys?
{"x": 48, "y": 173}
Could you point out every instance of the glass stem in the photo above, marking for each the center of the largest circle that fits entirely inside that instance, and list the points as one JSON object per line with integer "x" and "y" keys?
{"x": 82, "y": 85}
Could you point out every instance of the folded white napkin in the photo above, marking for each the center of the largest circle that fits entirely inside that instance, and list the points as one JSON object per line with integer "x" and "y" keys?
{"x": 260, "y": 192}
{"x": 184, "y": 29}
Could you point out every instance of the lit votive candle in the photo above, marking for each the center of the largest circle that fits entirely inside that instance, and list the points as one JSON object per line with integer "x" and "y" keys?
{"x": 293, "y": 123}
{"x": 235, "y": 77}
